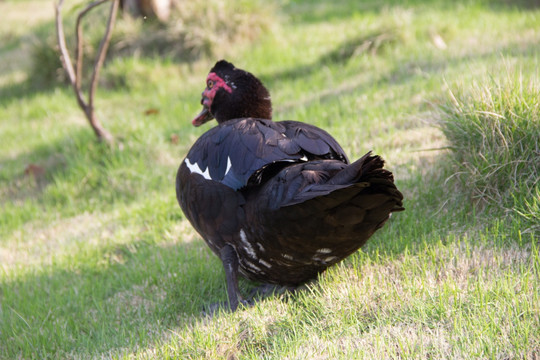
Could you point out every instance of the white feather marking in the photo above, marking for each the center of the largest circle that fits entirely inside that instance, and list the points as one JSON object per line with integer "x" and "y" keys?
{"x": 287, "y": 256}
{"x": 324, "y": 251}
{"x": 304, "y": 158}
{"x": 252, "y": 266}
{"x": 229, "y": 165}
{"x": 247, "y": 247}
{"x": 261, "y": 248}
{"x": 330, "y": 258}
{"x": 262, "y": 262}
{"x": 194, "y": 168}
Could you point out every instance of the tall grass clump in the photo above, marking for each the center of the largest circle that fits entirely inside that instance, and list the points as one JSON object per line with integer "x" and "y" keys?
{"x": 494, "y": 132}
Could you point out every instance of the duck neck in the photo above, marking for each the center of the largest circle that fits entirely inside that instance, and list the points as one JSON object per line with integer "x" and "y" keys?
{"x": 258, "y": 110}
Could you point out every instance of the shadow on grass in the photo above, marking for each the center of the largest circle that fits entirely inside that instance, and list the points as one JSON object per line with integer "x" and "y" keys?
{"x": 139, "y": 289}
{"x": 371, "y": 44}
{"x": 77, "y": 174}
{"x": 127, "y": 297}
{"x": 45, "y": 163}
{"x": 26, "y": 90}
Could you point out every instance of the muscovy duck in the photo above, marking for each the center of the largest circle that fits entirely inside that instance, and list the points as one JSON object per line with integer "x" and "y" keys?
{"x": 277, "y": 202}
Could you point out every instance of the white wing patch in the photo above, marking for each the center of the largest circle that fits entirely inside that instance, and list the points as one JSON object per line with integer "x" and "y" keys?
{"x": 267, "y": 264}
{"x": 194, "y": 168}
{"x": 229, "y": 165}
{"x": 254, "y": 267}
{"x": 324, "y": 251}
{"x": 247, "y": 246}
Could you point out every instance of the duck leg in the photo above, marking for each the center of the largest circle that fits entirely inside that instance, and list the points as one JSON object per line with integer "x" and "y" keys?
{"x": 230, "y": 263}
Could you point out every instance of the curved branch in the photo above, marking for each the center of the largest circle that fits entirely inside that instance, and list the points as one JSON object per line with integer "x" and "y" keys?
{"x": 66, "y": 59}
{"x": 75, "y": 76}
{"x": 79, "y": 42}
{"x": 103, "y": 46}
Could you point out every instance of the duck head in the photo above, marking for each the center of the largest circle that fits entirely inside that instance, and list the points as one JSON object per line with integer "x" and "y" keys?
{"x": 233, "y": 93}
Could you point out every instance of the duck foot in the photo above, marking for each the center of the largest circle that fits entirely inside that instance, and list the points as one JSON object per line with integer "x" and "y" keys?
{"x": 266, "y": 290}
{"x": 215, "y": 308}
{"x": 256, "y": 294}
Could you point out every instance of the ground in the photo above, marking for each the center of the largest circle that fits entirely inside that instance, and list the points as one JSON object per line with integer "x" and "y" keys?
{"x": 97, "y": 259}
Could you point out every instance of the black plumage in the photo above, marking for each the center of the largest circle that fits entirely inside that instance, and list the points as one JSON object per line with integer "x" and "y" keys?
{"x": 278, "y": 202}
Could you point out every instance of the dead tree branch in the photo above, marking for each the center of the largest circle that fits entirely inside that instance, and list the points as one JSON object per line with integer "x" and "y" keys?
{"x": 79, "y": 39}
{"x": 75, "y": 74}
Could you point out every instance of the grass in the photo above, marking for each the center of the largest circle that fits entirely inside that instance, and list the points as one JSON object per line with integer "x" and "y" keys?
{"x": 97, "y": 261}
{"x": 184, "y": 37}
{"x": 495, "y": 134}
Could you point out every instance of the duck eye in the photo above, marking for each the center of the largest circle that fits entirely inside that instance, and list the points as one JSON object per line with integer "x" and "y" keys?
{"x": 210, "y": 84}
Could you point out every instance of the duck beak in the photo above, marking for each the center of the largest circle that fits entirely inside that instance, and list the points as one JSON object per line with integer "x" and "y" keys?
{"x": 204, "y": 116}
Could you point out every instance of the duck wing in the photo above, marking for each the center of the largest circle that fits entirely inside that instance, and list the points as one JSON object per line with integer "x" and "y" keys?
{"x": 242, "y": 152}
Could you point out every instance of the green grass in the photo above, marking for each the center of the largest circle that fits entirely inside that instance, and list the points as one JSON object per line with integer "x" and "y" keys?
{"x": 495, "y": 135}
{"x": 97, "y": 261}
{"x": 184, "y": 38}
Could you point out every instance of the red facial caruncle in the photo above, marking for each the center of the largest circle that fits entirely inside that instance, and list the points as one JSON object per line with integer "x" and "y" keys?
{"x": 213, "y": 84}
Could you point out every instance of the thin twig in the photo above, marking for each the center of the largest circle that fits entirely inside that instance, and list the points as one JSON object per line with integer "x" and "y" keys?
{"x": 79, "y": 41}
{"x": 102, "y": 52}
{"x": 66, "y": 59}
{"x": 76, "y": 76}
